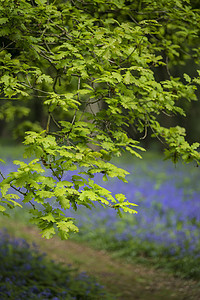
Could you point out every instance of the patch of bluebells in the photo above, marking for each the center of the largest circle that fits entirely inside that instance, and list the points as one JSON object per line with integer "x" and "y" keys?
{"x": 168, "y": 220}
{"x": 27, "y": 274}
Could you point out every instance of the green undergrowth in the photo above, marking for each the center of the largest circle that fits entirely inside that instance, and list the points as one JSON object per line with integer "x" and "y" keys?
{"x": 11, "y": 152}
{"x": 133, "y": 250}
{"x": 124, "y": 281}
{"x": 25, "y": 273}
{"x": 145, "y": 253}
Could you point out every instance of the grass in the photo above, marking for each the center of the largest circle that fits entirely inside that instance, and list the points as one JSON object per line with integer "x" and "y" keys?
{"x": 125, "y": 281}
{"x": 8, "y": 152}
{"x": 164, "y": 234}
{"x": 27, "y": 274}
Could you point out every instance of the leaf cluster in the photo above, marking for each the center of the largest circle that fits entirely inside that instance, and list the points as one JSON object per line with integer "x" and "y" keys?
{"x": 91, "y": 64}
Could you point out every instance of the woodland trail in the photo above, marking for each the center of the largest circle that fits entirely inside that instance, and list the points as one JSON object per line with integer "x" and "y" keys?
{"x": 125, "y": 281}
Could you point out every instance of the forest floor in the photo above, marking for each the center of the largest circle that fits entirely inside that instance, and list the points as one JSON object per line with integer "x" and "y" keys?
{"x": 125, "y": 281}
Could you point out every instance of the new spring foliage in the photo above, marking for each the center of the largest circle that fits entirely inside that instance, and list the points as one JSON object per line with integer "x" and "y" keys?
{"x": 92, "y": 66}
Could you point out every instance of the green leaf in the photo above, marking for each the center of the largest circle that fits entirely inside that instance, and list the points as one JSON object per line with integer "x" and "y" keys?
{"x": 4, "y": 189}
{"x": 64, "y": 202}
{"x": 59, "y": 191}
{"x": 85, "y": 195}
{"x": 128, "y": 78}
{"x": 48, "y": 232}
{"x": 49, "y": 217}
{"x": 187, "y": 77}
{"x": 120, "y": 197}
{"x": 45, "y": 78}
{"x": 41, "y": 2}
{"x": 45, "y": 194}
{"x": 3, "y": 20}
{"x": 117, "y": 76}
{"x": 67, "y": 226}
{"x": 2, "y": 208}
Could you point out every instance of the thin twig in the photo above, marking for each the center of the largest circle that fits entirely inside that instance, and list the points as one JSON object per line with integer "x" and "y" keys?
{"x": 32, "y": 205}
{"x": 167, "y": 66}
{"x": 145, "y": 133}
{"x": 48, "y": 122}
{"x": 157, "y": 136}
{"x": 78, "y": 88}
{"x": 164, "y": 112}
{"x": 58, "y": 125}
{"x": 12, "y": 186}
{"x": 5, "y": 47}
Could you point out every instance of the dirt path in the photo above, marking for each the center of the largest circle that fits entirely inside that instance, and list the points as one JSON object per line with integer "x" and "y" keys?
{"x": 125, "y": 281}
